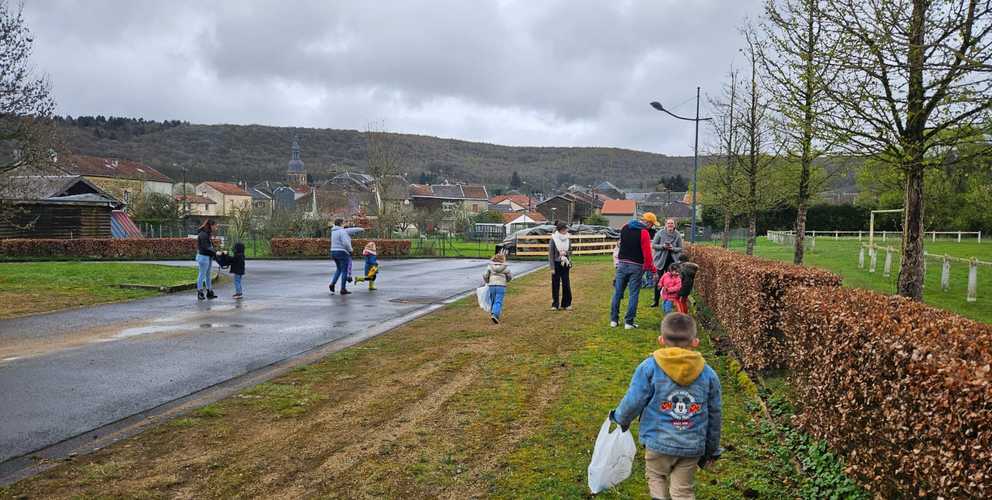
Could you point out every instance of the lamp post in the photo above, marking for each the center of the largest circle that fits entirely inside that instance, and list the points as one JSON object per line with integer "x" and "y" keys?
{"x": 695, "y": 156}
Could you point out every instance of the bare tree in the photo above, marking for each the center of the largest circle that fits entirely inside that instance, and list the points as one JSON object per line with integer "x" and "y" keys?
{"x": 912, "y": 77}
{"x": 796, "y": 63}
{"x": 760, "y": 146}
{"x": 26, "y": 105}
{"x": 723, "y": 175}
{"x": 383, "y": 163}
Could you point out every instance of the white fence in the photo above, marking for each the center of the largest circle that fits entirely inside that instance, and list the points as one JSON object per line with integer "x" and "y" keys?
{"x": 945, "y": 268}
{"x": 886, "y": 235}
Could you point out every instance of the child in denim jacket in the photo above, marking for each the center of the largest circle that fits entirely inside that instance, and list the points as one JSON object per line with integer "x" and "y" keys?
{"x": 677, "y": 397}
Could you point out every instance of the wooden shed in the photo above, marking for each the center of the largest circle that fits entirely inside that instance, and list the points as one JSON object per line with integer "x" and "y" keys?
{"x": 59, "y": 207}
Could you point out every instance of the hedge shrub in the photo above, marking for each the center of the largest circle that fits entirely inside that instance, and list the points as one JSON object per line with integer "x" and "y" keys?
{"x": 901, "y": 389}
{"x": 319, "y": 247}
{"x": 746, "y": 295}
{"x": 98, "y": 248}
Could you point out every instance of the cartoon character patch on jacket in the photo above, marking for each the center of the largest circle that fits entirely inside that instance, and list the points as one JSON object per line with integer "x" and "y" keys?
{"x": 681, "y": 406}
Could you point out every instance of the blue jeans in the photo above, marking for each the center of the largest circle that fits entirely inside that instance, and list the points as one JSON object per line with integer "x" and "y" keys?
{"x": 668, "y": 306}
{"x": 342, "y": 261}
{"x": 203, "y": 263}
{"x": 628, "y": 277}
{"x": 496, "y": 294}
{"x": 237, "y": 283}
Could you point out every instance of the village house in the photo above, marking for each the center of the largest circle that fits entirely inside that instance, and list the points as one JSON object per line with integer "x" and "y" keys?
{"x": 608, "y": 189}
{"x": 619, "y": 212}
{"x": 228, "y": 197}
{"x": 198, "y": 206}
{"x": 469, "y": 198}
{"x": 122, "y": 179}
{"x": 515, "y": 202}
{"x": 516, "y": 221}
{"x": 570, "y": 207}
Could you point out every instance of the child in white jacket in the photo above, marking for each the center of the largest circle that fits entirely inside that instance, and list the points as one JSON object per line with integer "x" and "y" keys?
{"x": 497, "y": 275}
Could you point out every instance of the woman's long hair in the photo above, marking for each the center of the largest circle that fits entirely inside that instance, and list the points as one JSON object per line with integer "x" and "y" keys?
{"x": 208, "y": 226}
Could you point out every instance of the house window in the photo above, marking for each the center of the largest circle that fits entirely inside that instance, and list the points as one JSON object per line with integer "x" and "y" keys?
{"x": 127, "y": 196}
{"x": 447, "y": 206}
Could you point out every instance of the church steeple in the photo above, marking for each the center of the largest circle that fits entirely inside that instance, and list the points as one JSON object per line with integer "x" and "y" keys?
{"x": 296, "y": 174}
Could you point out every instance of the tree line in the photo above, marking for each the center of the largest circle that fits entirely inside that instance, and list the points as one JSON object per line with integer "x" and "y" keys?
{"x": 903, "y": 84}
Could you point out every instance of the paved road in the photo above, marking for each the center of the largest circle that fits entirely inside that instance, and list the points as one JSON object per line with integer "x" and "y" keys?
{"x": 66, "y": 373}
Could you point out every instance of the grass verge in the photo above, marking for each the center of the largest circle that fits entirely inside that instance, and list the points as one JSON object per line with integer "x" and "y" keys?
{"x": 33, "y": 287}
{"x": 447, "y": 406}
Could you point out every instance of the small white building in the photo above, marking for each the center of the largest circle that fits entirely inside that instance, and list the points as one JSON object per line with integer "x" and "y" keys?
{"x": 522, "y": 220}
{"x": 229, "y": 197}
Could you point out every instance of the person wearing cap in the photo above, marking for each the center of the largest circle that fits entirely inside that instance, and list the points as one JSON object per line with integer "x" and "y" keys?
{"x": 667, "y": 247}
{"x": 634, "y": 257}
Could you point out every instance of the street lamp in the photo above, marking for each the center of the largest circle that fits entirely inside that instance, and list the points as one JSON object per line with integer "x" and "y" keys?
{"x": 695, "y": 156}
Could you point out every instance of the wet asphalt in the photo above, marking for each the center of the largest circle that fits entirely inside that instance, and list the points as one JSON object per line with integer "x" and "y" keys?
{"x": 85, "y": 368}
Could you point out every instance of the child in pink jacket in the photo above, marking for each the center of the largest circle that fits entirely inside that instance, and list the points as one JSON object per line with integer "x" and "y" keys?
{"x": 670, "y": 284}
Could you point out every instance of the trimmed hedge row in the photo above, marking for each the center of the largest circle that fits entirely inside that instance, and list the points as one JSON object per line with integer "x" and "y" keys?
{"x": 746, "y": 295}
{"x": 902, "y": 389}
{"x": 319, "y": 247}
{"x": 99, "y": 248}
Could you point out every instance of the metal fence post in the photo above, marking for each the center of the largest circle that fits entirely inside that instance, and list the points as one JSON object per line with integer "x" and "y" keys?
{"x": 934, "y": 234}
{"x": 973, "y": 280}
{"x": 945, "y": 274}
{"x": 861, "y": 258}
{"x": 859, "y": 235}
{"x": 959, "y": 236}
{"x": 872, "y": 252}
{"x": 812, "y": 243}
{"x": 887, "y": 269}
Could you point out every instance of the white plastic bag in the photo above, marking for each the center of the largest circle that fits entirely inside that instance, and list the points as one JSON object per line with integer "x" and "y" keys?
{"x": 612, "y": 458}
{"x": 483, "y": 295}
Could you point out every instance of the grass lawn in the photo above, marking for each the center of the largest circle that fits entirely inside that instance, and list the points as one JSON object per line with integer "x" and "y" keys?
{"x": 32, "y": 287}
{"x": 448, "y": 406}
{"x": 841, "y": 257}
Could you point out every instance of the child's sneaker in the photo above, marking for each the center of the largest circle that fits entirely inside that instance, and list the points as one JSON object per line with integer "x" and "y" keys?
{"x": 359, "y": 279}
{"x": 629, "y": 326}
{"x": 614, "y": 324}
{"x": 494, "y": 318}
{"x": 237, "y": 296}
{"x": 372, "y": 285}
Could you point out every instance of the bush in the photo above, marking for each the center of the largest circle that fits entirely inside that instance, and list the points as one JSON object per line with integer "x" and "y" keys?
{"x": 320, "y": 247}
{"x": 901, "y": 389}
{"x": 746, "y": 296}
{"x": 99, "y": 248}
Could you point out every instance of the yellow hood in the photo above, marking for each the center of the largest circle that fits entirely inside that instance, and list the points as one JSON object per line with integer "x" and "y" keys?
{"x": 681, "y": 365}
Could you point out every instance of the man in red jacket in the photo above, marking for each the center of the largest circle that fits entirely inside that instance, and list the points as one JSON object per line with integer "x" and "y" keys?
{"x": 635, "y": 257}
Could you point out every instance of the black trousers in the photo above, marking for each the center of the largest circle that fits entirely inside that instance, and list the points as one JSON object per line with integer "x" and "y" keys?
{"x": 560, "y": 279}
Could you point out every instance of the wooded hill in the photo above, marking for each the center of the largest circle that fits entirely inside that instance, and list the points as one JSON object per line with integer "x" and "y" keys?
{"x": 255, "y": 152}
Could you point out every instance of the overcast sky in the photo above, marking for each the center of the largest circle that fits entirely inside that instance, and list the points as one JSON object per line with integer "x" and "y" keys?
{"x": 528, "y": 72}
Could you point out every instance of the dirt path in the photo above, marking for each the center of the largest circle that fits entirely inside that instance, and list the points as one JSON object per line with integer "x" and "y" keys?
{"x": 431, "y": 409}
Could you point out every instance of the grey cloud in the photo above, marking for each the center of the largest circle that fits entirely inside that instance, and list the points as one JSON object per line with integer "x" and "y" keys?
{"x": 513, "y": 72}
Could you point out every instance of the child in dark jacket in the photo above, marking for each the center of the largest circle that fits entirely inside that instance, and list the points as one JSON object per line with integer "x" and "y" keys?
{"x": 238, "y": 268}
{"x": 678, "y": 399}
{"x": 371, "y": 265}
{"x": 687, "y": 271}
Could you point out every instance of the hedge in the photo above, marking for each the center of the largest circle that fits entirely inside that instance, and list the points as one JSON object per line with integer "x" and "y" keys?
{"x": 98, "y": 248}
{"x": 746, "y": 295}
{"x": 901, "y": 389}
{"x": 319, "y": 247}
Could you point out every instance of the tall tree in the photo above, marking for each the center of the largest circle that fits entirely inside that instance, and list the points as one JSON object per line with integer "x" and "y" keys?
{"x": 515, "y": 181}
{"x": 796, "y": 62}
{"x": 719, "y": 179}
{"x": 383, "y": 163}
{"x": 759, "y": 155}
{"x": 910, "y": 75}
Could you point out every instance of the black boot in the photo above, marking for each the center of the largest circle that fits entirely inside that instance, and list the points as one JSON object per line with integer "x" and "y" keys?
{"x": 344, "y": 291}
{"x": 210, "y": 294}
{"x": 331, "y": 288}
{"x": 199, "y": 295}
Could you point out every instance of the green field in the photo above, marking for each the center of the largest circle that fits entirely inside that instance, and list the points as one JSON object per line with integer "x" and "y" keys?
{"x": 841, "y": 257}
{"x": 32, "y": 287}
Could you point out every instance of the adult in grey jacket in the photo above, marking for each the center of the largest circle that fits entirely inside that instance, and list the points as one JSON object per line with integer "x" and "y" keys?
{"x": 559, "y": 259}
{"x": 341, "y": 254}
{"x": 667, "y": 246}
